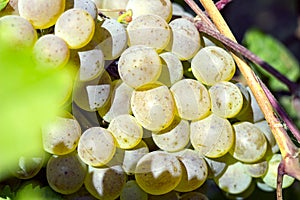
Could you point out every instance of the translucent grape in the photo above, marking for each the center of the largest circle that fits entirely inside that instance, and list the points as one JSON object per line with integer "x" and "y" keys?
{"x": 150, "y": 30}
{"x": 105, "y": 183}
{"x": 111, "y": 5}
{"x": 173, "y": 138}
{"x": 185, "y": 39}
{"x": 226, "y": 99}
{"x": 28, "y": 167}
{"x": 87, "y": 5}
{"x": 194, "y": 170}
{"x": 132, "y": 191}
{"x": 191, "y": 98}
{"x": 96, "y": 146}
{"x": 163, "y": 8}
{"x": 119, "y": 101}
{"x": 18, "y": 31}
{"x": 126, "y": 130}
{"x": 235, "y": 179}
{"x": 61, "y": 135}
{"x": 153, "y": 108}
{"x": 51, "y": 51}
{"x": 172, "y": 69}
{"x": 91, "y": 64}
{"x": 98, "y": 95}
{"x": 216, "y": 166}
{"x": 264, "y": 127}
{"x": 158, "y": 172}
{"x": 43, "y": 14}
{"x": 78, "y": 33}
{"x": 65, "y": 174}
{"x": 270, "y": 178}
{"x": 258, "y": 169}
{"x": 139, "y": 65}
{"x": 250, "y": 144}
{"x": 212, "y": 136}
{"x": 213, "y": 64}
{"x": 257, "y": 113}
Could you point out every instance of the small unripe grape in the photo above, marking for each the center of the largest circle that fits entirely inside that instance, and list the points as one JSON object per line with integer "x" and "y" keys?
{"x": 158, "y": 172}
{"x": 41, "y": 14}
{"x": 76, "y": 27}
{"x": 213, "y": 64}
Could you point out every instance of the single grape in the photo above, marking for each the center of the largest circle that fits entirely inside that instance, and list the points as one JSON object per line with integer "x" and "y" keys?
{"x": 96, "y": 146}
{"x": 270, "y": 178}
{"x": 257, "y": 114}
{"x": 65, "y": 174}
{"x": 132, "y": 191}
{"x": 163, "y": 8}
{"x": 139, "y": 65}
{"x": 111, "y": 5}
{"x": 194, "y": 170}
{"x": 87, "y": 5}
{"x": 234, "y": 179}
{"x": 119, "y": 101}
{"x": 191, "y": 98}
{"x": 250, "y": 144}
{"x": 41, "y": 14}
{"x": 105, "y": 183}
{"x": 172, "y": 69}
{"x": 263, "y": 186}
{"x": 158, "y": 172}
{"x": 78, "y": 33}
{"x": 91, "y": 64}
{"x": 51, "y": 51}
{"x": 153, "y": 107}
{"x": 98, "y": 95}
{"x": 226, "y": 99}
{"x": 61, "y": 135}
{"x": 126, "y": 130}
{"x": 17, "y": 31}
{"x": 216, "y": 166}
{"x": 175, "y": 137}
{"x": 264, "y": 127}
{"x": 150, "y": 30}
{"x": 213, "y": 64}
{"x": 257, "y": 170}
{"x": 212, "y": 136}
{"x": 185, "y": 39}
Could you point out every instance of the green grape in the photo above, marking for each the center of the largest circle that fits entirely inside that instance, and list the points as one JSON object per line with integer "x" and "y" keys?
{"x": 51, "y": 51}
{"x": 65, "y": 174}
{"x": 98, "y": 95}
{"x": 153, "y": 107}
{"x": 91, "y": 64}
{"x": 194, "y": 170}
{"x": 132, "y": 191}
{"x": 105, "y": 183}
{"x": 185, "y": 39}
{"x": 175, "y": 137}
{"x": 213, "y": 64}
{"x": 78, "y": 33}
{"x": 28, "y": 167}
{"x": 191, "y": 98}
{"x": 41, "y": 14}
{"x": 111, "y": 5}
{"x": 234, "y": 179}
{"x": 258, "y": 169}
{"x": 172, "y": 69}
{"x": 212, "y": 136}
{"x": 111, "y": 37}
{"x": 163, "y": 8}
{"x": 139, "y": 65}
{"x": 226, "y": 99}
{"x": 132, "y": 156}
{"x": 150, "y": 30}
{"x": 96, "y": 146}
{"x": 126, "y": 130}
{"x": 61, "y": 135}
{"x": 250, "y": 144}
{"x": 193, "y": 195}
{"x": 87, "y": 5}
{"x": 270, "y": 178}
{"x": 158, "y": 172}
{"x": 119, "y": 101}
{"x": 264, "y": 127}
{"x": 18, "y": 31}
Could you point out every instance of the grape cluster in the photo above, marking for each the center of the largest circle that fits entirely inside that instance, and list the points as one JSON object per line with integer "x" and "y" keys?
{"x": 165, "y": 121}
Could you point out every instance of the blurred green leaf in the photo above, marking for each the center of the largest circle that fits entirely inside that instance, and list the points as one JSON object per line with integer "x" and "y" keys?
{"x": 3, "y": 4}
{"x": 30, "y": 191}
{"x": 276, "y": 54}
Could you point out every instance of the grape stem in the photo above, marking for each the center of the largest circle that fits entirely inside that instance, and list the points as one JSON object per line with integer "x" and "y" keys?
{"x": 290, "y": 153}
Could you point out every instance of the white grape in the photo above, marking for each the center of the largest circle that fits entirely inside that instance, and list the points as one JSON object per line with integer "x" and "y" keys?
{"x": 98, "y": 95}
{"x": 111, "y": 5}
{"x": 265, "y": 128}
{"x": 87, "y": 5}
{"x": 213, "y": 64}
{"x": 191, "y": 98}
{"x": 257, "y": 169}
